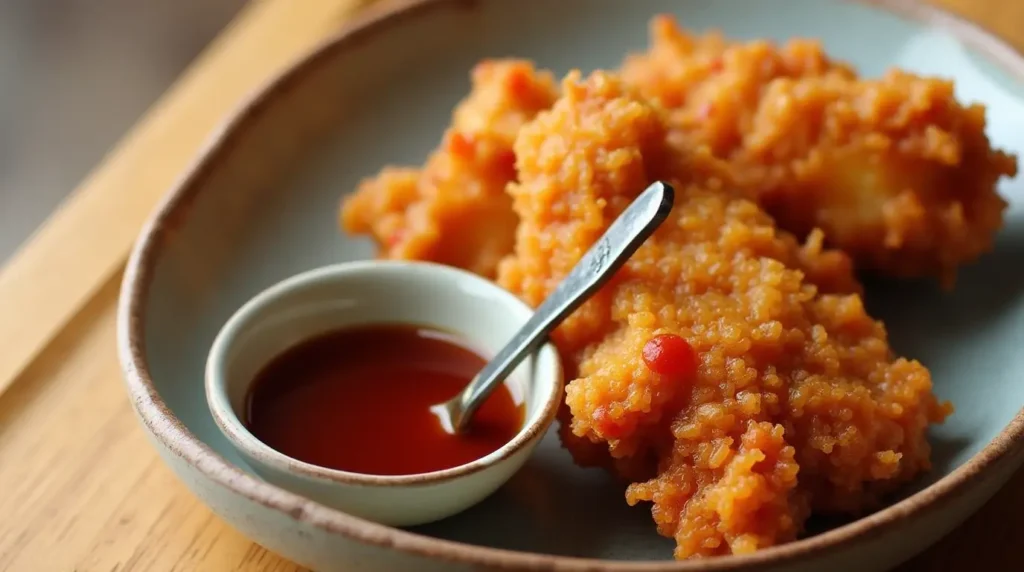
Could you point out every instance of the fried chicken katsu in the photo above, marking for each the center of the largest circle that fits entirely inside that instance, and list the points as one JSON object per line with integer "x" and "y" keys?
{"x": 729, "y": 373}
{"x": 792, "y": 401}
{"x": 455, "y": 210}
{"x": 893, "y": 170}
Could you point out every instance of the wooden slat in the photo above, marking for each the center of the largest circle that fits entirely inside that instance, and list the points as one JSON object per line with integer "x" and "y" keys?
{"x": 1005, "y": 18}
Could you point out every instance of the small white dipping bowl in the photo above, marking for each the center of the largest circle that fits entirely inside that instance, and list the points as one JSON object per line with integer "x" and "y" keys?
{"x": 363, "y": 293}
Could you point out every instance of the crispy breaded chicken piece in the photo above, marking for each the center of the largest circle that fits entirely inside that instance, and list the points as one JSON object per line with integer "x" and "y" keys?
{"x": 455, "y": 210}
{"x": 894, "y": 170}
{"x": 897, "y": 173}
{"x": 796, "y": 402}
{"x": 711, "y": 86}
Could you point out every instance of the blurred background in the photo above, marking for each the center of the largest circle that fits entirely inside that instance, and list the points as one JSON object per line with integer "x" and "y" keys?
{"x": 75, "y": 75}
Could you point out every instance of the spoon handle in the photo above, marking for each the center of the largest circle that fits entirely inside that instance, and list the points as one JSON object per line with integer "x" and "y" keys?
{"x": 607, "y": 255}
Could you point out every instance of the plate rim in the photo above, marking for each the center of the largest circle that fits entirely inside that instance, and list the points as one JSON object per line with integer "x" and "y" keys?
{"x": 172, "y": 435}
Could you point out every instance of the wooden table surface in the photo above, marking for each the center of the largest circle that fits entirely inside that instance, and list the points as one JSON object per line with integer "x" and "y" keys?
{"x": 80, "y": 487}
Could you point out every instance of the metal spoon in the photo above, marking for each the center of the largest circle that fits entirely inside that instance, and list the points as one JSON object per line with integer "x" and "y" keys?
{"x": 607, "y": 255}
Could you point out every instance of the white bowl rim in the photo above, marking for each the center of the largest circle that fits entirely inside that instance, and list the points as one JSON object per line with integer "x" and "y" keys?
{"x": 1005, "y": 448}
{"x": 248, "y": 444}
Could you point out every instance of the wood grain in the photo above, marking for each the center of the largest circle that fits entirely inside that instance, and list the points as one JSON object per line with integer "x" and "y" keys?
{"x": 80, "y": 487}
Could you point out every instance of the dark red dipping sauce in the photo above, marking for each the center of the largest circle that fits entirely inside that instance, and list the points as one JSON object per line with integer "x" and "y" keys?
{"x": 359, "y": 400}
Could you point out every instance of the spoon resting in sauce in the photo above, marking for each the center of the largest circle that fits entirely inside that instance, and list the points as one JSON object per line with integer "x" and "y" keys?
{"x": 609, "y": 253}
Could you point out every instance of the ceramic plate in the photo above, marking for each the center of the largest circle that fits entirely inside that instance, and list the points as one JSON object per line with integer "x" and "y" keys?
{"x": 261, "y": 205}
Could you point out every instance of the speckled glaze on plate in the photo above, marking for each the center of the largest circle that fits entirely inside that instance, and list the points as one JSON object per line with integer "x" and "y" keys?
{"x": 261, "y": 204}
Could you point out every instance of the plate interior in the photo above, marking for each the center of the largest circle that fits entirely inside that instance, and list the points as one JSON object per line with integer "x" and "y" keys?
{"x": 400, "y": 96}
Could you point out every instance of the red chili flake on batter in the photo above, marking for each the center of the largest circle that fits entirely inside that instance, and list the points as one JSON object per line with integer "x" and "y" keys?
{"x": 396, "y": 237}
{"x": 518, "y": 83}
{"x": 506, "y": 162}
{"x": 706, "y": 110}
{"x": 669, "y": 354}
{"x": 605, "y": 425}
{"x": 462, "y": 145}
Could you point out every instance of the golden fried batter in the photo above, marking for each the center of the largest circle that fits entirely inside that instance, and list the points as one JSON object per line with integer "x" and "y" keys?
{"x": 455, "y": 210}
{"x": 894, "y": 171}
{"x": 711, "y": 86}
{"x": 797, "y": 403}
